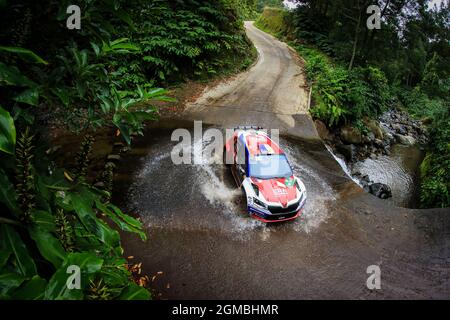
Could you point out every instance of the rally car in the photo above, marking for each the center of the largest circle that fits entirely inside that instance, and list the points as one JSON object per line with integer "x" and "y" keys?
{"x": 273, "y": 193}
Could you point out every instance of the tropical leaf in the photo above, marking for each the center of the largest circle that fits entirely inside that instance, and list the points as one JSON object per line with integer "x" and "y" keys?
{"x": 82, "y": 204}
{"x": 29, "y": 96}
{"x": 5, "y": 252}
{"x": 32, "y": 289}
{"x": 24, "y": 54}
{"x": 49, "y": 247}
{"x": 11, "y": 76}
{"x": 7, "y": 192}
{"x": 125, "y": 222}
{"x": 57, "y": 288}
{"x": 8, "y": 282}
{"x": 7, "y": 132}
{"x": 23, "y": 263}
{"x": 135, "y": 292}
{"x": 44, "y": 220}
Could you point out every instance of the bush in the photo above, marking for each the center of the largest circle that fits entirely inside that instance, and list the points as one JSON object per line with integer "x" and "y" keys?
{"x": 273, "y": 21}
{"x": 189, "y": 38}
{"x": 341, "y": 96}
{"x": 435, "y": 169}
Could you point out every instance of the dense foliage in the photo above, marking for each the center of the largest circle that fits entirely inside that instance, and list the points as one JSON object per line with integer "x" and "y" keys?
{"x": 261, "y": 4}
{"x": 341, "y": 95}
{"x": 103, "y": 75}
{"x": 357, "y": 72}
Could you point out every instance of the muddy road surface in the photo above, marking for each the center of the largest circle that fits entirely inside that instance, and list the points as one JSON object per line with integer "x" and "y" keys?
{"x": 207, "y": 246}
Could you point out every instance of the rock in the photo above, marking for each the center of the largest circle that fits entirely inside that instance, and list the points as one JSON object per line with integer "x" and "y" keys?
{"x": 114, "y": 157}
{"x": 356, "y": 173}
{"x": 378, "y": 143}
{"x": 380, "y": 190}
{"x": 350, "y": 135}
{"x": 347, "y": 150}
{"x": 374, "y": 128}
{"x": 388, "y": 136}
{"x": 399, "y": 128}
{"x": 405, "y": 140}
{"x": 322, "y": 130}
{"x": 365, "y": 139}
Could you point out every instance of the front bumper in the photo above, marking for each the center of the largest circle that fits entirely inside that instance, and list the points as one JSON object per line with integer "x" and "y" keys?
{"x": 270, "y": 217}
{"x": 257, "y": 217}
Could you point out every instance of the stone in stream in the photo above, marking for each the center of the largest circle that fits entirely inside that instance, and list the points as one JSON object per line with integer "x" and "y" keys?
{"x": 380, "y": 190}
{"x": 405, "y": 140}
{"x": 374, "y": 127}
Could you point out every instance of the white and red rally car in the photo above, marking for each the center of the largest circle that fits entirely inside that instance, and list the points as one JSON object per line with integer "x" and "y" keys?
{"x": 262, "y": 169}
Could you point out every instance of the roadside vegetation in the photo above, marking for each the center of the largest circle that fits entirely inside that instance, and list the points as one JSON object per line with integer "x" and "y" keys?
{"x": 106, "y": 76}
{"x": 357, "y": 73}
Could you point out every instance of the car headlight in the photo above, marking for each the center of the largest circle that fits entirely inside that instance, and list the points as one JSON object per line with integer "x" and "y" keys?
{"x": 250, "y": 201}
{"x": 259, "y": 203}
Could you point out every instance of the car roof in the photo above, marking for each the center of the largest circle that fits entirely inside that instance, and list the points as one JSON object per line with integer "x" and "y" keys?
{"x": 258, "y": 142}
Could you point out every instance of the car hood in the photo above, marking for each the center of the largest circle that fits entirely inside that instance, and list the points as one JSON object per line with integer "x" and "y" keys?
{"x": 280, "y": 190}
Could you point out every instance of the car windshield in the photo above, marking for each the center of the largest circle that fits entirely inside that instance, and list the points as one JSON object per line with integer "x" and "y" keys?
{"x": 269, "y": 166}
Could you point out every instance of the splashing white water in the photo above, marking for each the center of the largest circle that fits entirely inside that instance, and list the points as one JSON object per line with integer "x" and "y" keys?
{"x": 343, "y": 165}
{"x": 156, "y": 183}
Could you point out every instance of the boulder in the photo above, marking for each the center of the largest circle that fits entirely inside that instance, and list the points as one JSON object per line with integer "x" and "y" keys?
{"x": 374, "y": 127}
{"x": 405, "y": 140}
{"x": 322, "y": 130}
{"x": 380, "y": 190}
{"x": 350, "y": 135}
{"x": 388, "y": 136}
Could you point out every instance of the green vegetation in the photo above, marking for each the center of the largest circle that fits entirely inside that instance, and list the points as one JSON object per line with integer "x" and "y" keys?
{"x": 356, "y": 72}
{"x": 273, "y": 20}
{"x": 261, "y": 4}
{"x": 343, "y": 96}
{"x": 105, "y": 75}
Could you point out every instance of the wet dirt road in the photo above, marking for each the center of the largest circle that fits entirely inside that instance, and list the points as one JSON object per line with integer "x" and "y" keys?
{"x": 272, "y": 94}
{"x": 208, "y": 248}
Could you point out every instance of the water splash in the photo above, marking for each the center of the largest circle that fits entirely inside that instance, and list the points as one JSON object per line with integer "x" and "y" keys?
{"x": 203, "y": 196}
{"x": 343, "y": 166}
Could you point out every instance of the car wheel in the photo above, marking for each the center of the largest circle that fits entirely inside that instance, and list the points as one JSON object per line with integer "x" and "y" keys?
{"x": 245, "y": 201}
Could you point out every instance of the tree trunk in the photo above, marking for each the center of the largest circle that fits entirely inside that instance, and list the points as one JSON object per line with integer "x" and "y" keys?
{"x": 355, "y": 42}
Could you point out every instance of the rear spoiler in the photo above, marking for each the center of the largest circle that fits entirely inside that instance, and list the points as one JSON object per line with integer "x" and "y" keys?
{"x": 247, "y": 128}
